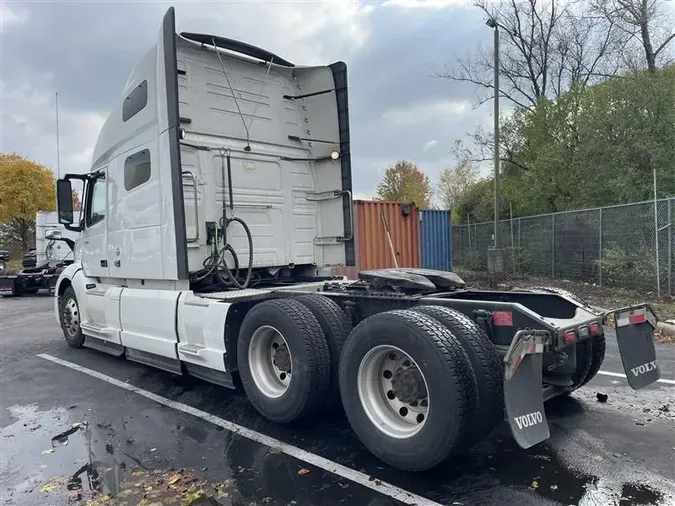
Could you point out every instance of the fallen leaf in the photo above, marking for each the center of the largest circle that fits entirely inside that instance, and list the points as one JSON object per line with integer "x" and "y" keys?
{"x": 266, "y": 500}
{"x": 45, "y": 452}
{"x": 174, "y": 479}
{"x": 304, "y": 471}
{"x": 153, "y": 449}
{"x": 52, "y": 484}
{"x": 535, "y": 484}
{"x": 275, "y": 450}
{"x": 190, "y": 497}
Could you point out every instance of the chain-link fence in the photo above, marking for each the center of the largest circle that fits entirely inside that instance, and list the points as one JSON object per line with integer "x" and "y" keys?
{"x": 629, "y": 245}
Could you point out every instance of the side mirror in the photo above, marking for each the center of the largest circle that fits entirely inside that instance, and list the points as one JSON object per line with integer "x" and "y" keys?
{"x": 53, "y": 233}
{"x": 64, "y": 201}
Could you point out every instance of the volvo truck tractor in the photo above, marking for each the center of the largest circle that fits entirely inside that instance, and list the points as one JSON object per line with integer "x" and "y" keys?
{"x": 219, "y": 199}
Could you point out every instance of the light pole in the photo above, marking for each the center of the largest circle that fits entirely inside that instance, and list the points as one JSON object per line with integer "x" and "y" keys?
{"x": 496, "y": 257}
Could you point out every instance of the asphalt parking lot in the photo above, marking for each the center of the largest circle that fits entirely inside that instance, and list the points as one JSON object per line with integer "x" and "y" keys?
{"x": 103, "y": 420}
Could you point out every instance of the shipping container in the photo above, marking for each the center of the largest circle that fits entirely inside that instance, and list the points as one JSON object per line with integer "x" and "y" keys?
{"x": 436, "y": 240}
{"x": 373, "y": 250}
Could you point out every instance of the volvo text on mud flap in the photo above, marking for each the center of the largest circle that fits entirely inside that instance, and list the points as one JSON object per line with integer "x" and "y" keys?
{"x": 522, "y": 388}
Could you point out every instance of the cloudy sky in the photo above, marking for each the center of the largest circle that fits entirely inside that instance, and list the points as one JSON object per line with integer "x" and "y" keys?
{"x": 86, "y": 50}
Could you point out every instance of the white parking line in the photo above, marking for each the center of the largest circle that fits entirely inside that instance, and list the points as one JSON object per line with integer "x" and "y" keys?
{"x": 619, "y": 375}
{"x": 328, "y": 465}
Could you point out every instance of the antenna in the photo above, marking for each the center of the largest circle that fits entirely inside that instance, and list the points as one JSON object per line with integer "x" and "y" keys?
{"x": 58, "y": 161}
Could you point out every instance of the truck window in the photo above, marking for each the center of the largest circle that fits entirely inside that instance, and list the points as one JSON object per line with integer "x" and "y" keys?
{"x": 96, "y": 209}
{"x": 136, "y": 169}
{"x": 135, "y": 101}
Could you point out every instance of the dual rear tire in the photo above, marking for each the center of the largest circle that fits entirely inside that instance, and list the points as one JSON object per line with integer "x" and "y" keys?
{"x": 288, "y": 351}
{"x": 416, "y": 385}
{"x": 431, "y": 357}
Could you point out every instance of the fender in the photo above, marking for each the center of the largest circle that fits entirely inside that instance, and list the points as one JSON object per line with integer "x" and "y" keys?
{"x": 74, "y": 276}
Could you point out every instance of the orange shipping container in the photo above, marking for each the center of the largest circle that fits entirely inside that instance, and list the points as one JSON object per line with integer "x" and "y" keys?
{"x": 372, "y": 246}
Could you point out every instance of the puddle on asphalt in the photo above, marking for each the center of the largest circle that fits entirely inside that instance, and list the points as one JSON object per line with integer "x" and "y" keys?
{"x": 639, "y": 494}
{"x": 81, "y": 466}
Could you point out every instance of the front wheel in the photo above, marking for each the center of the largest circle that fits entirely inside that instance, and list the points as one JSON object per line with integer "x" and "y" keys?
{"x": 69, "y": 316}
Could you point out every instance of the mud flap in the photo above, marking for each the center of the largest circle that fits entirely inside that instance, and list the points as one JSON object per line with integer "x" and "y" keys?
{"x": 635, "y": 336}
{"x": 7, "y": 285}
{"x": 523, "y": 388}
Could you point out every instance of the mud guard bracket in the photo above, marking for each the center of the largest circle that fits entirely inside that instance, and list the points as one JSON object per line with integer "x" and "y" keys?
{"x": 523, "y": 387}
{"x": 635, "y": 336}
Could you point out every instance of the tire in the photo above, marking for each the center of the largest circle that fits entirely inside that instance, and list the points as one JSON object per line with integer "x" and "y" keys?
{"x": 486, "y": 364}
{"x": 308, "y": 365}
{"x": 592, "y": 357}
{"x": 336, "y": 328}
{"x": 69, "y": 307}
{"x": 446, "y": 373}
{"x": 584, "y": 361}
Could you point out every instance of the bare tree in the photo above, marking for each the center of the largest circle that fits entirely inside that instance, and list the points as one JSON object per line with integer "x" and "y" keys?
{"x": 643, "y": 22}
{"x": 546, "y": 46}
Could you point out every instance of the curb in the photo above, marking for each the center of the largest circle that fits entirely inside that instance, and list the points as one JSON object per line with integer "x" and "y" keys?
{"x": 666, "y": 328}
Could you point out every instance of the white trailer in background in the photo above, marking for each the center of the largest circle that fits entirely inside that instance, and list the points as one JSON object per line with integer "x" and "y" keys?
{"x": 219, "y": 198}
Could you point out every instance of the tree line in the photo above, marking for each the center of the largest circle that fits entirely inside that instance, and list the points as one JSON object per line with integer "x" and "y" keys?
{"x": 591, "y": 87}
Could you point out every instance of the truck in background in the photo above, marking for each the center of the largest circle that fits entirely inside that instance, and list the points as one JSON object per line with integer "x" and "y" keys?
{"x": 219, "y": 200}
{"x": 42, "y": 264}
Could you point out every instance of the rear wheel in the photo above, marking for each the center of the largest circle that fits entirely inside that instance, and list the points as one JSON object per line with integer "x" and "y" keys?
{"x": 69, "y": 316}
{"x": 407, "y": 388}
{"x": 590, "y": 356}
{"x": 336, "y": 328}
{"x": 486, "y": 365}
{"x": 283, "y": 359}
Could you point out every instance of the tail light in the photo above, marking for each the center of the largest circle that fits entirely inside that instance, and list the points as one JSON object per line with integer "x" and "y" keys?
{"x": 634, "y": 319}
{"x": 502, "y": 318}
{"x": 569, "y": 337}
{"x": 595, "y": 329}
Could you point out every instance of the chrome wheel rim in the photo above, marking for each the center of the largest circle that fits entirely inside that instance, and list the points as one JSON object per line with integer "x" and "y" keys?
{"x": 393, "y": 392}
{"x": 270, "y": 360}
{"x": 71, "y": 317}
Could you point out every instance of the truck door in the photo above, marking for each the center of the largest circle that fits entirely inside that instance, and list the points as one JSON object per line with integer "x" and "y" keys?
{"x": 94, "y": 240}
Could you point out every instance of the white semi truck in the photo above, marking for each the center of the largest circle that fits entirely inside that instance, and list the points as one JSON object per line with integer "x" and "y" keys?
{"x": 218, "y": 200}
{"x": 43, "y": 264}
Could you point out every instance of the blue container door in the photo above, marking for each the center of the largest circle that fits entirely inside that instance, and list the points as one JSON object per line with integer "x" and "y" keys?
{"x": 436, "y": 240}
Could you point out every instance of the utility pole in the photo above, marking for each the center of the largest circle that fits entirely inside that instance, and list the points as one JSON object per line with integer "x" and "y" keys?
{"x": 496, "y": 140}
{"x": 496, "y": 255}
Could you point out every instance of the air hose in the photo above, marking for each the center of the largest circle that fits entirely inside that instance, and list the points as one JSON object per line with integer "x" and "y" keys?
{"x": 224, "y": 223}
{"x": 215, "y": 264}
